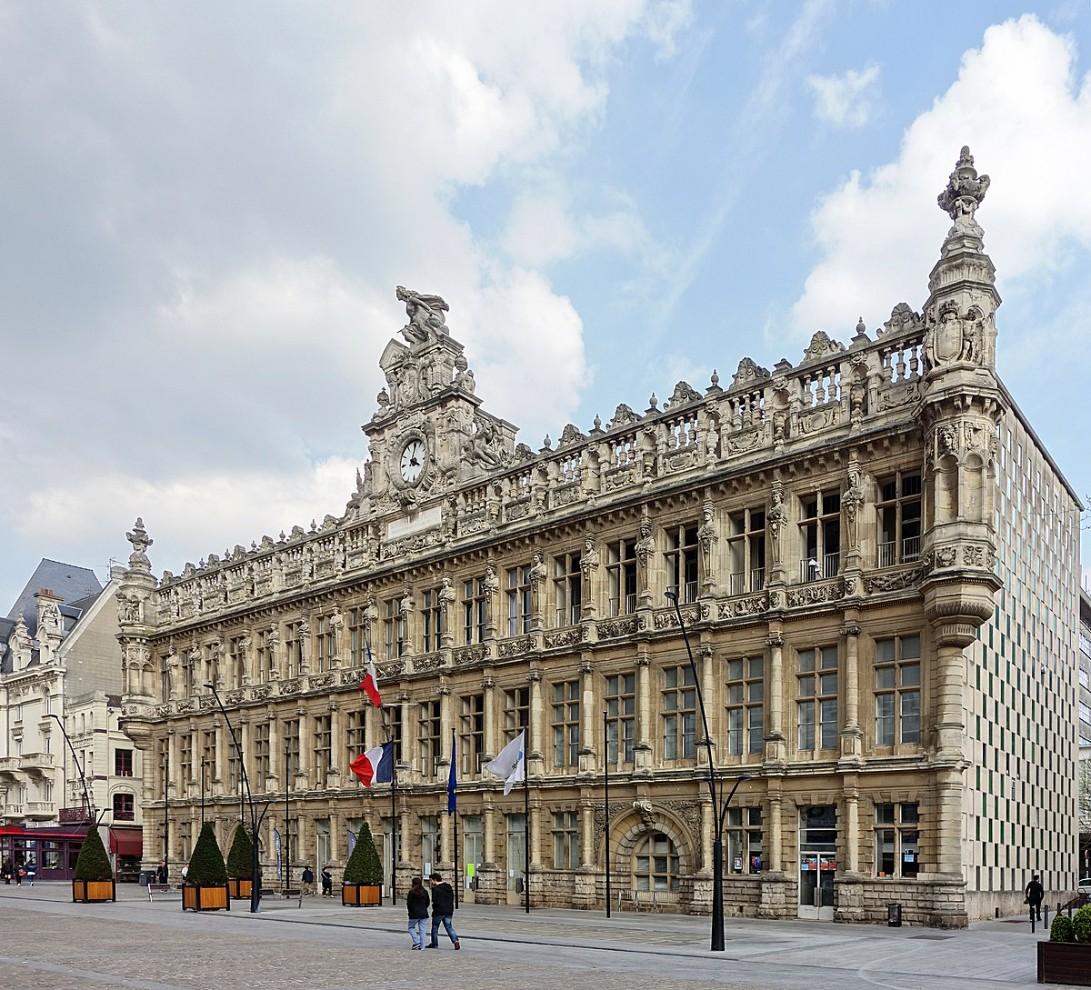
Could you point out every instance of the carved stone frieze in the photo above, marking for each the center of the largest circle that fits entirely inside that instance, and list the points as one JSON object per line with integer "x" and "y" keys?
{"x": 821, "y": 346}
{"x": 740, "y": 607}
{"x": 745, "y": 440}
{"x": 611, "y": 628}
{"x": 290, "y": 685}
{"x": 515, "y": 647}
{"x": 896, "y": 581}
{"x": 564, "y": 637}
{"x": 689, "y": 812}
{"x": 317, "y": 682}
{"x": 391, "y": 668}
{"x": 668, "y": 618}
{"x": 567, "y": 494}
{"x": 471, "y": 654}
{"x": 816, "y": 594}
{"x": 430, "y": 661}
{"x": 259, "y": 692}
{"x": 620, "y": 477}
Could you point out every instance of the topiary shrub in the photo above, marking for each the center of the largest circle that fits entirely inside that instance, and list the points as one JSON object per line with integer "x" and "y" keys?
{"x": 92, "y": 862}
{"x": 206, "y": 865}
{"x": 1061, "y": 929}
{"x": 363, "y": 865}
{"x": 1081, "y": 924}
{"x": 239, "y": 865}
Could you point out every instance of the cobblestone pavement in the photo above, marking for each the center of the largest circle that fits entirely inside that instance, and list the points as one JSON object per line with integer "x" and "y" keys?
{"x": 49, "y": 942}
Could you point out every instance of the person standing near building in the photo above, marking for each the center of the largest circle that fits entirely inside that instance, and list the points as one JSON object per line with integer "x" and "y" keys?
{"x": 416, "y": 904}
{"x": 443, "y": 909}
{"x": 327, "y": 882}
{"x": 1035, "y": 893}
{"x": 308, "y": 880}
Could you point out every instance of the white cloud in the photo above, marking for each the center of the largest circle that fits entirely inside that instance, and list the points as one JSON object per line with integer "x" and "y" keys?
{"x": 1027, "y": 119}
{"x": 847, "y": 100}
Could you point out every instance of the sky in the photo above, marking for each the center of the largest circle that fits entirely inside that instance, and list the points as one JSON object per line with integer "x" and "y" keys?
{"x": 205, "y": 213}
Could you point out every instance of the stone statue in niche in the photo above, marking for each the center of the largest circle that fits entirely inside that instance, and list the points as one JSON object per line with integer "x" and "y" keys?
{"x": 776, "y": 518}
{"x": 426, "y": 315}
{"x": 483, "y": 447}
{"x": 645, "y": 546}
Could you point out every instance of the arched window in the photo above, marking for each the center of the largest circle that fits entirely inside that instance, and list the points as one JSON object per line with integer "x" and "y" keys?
{"x": 655, "y": 864}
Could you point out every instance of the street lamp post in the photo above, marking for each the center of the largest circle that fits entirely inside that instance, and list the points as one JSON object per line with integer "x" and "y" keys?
{"x": 255, "y": 819}
{"x": 79, "y": 768}
{"x": 719, "y": 809}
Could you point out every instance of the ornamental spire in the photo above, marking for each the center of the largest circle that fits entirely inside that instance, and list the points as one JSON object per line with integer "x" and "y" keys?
{"x": 965, "y": 189}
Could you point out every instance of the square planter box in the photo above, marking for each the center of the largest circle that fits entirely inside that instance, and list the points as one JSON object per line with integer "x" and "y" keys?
{"x": 92, "y": 891}
{"x": 195, "y": 898}
{"x": 239, "y": 888}
{"x": 1065, "y": 962}
{"x": 361, "y": 895}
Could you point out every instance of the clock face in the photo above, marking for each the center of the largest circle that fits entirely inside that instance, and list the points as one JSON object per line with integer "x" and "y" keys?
{"x": 414, "y": 456}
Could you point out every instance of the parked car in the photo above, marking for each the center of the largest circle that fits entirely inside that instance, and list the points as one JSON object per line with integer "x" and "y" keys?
{"x": 1085, "y": 886}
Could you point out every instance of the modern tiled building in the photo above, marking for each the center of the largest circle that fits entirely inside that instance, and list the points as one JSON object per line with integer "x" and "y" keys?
{"x": 1085, "y": 734}
{"x": 850, "y": 539}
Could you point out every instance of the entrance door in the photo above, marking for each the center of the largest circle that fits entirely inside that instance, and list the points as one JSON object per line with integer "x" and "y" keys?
{"x": 388, "y": 859}
{"x": 517, "y": 844}
{"x": 816, "y": 873}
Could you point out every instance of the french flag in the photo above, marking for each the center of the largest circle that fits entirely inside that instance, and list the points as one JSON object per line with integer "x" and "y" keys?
{"x": 370, "y": 683}
{"x": 376, "y": 766}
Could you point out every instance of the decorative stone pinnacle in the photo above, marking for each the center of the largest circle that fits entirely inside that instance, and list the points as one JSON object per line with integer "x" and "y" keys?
{"x": 965, "y": 188}
{"x": 138, "y": 559}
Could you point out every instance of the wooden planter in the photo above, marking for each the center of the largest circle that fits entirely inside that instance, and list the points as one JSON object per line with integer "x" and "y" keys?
{"x": 361, "y": 895}
{"x": 196, "y": 898}
{"x": 239, "y": 888}
{"x": 1065, "y": 962}
{"x": 92, "y": 891}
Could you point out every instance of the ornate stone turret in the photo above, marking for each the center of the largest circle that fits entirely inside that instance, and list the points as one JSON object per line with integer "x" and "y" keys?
{"x": 136, "y": 613}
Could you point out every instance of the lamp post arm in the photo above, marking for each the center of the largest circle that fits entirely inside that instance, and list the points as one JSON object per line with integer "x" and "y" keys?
{"x": 76, "y": 761}
{"x": 238, "y": 750}
{"x": 727, "y": 803}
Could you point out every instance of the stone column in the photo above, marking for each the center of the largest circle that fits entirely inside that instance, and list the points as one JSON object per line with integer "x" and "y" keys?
{"x": 488, "y": 818}
{"x": 851, "y": 734}
{"x": 274, "y": 753}
{"x": 587, "y": 835}
{"x": 706, "y": 670}
{"x": 643, "y": 748}
{"x": 446, "y": 717}
{"x": 537, "y": 720}
{"x": 337, "y": 744}
{"x": 852, "y": 824}
{"x": 708, "y": 827}
{"x": 534, "y": 833}
{"x": 220, "y": 768}
{"x": 489, "y": 687}
{"x": 174, "y": 746}
{"x": 409, "y": 740}
{"x": 306, "y": 737}
{"x": 774, "y": 833}
{"x": 335, "y": 842}
{"x": 775, "y": 748}
{"x": 589, "y": 728}
{"x": 948, "y": 829}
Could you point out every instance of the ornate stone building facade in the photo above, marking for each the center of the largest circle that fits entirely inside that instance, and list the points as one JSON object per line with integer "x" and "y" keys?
{"x": 832, "y": 531}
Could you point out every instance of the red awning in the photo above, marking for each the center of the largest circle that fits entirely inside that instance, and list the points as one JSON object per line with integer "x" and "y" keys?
{"x": 127, "y": 841}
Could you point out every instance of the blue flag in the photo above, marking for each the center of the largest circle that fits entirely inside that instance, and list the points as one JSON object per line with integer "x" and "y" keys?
{"x": 452, "y": 780}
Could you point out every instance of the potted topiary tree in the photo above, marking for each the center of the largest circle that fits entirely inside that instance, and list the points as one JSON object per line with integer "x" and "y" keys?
{"x": 1066, "y": 957}
{"x": 205, "y": 886}
{"x": 239, "y": 880}
{"x": 93, "y": 881}
{"x": 363, "y": 882}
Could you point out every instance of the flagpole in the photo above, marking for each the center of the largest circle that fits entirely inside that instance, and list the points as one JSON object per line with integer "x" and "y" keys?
{"x": 606, "y": 796}
{"x": 458, "y": 871}
{"x": 452, "y": 799}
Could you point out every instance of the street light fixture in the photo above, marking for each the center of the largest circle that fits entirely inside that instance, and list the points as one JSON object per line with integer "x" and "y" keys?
{"x": 79, "y": 768}
{"x": 719, "y": 807}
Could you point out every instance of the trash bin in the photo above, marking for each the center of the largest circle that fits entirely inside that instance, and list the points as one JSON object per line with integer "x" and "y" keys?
{"x": 894, "y": 915}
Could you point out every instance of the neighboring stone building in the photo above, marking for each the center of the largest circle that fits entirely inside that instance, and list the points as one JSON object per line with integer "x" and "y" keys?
{"x": 851, "y": 538}
{"x": 60, "y": 659}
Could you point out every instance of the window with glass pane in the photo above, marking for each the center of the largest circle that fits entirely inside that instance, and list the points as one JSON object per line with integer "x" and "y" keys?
{"x": 680, "y": 557}
{"x": 396, "y": 731}
{"x": 518, "y": 600}
{"x": 746, "y": 550}
{"x": 123, "y": 762}
{"x": 431, "y": 620}
{"x": 473, "y": 610}
{"x": 186, "y": 758}
{"x": 744, "y": 840}
{"x": 323, "y": 748}
{"x": 429, "y": 737}
{"x": 820, "y": 534}
{"x": 566, "y": 840}
{"x": 620, "y": 717}
{"x": 123, "y": 807}
{"x": 471, "y": 727}
{"x": 293, "y": 649}
{"x": 516, "y": 709}
{"x": 566, "y": 724}
{"x": 899, "y": 518}
{"x": 817, "y": 694}
{"x": 567, "y": 588}
{"x": 266, "y": 655}
{"x": 655, "y": 864}
{"x": 897, "y": 690}
{"x": 236, "y": 661}
{"x": 357, "y": 627}
{"x": 679, "y": 713}
{"x": 356, "y": 726}
{"x": 745, "y": 705}
{"x": 393, "y": 629}
{"x": 291, "y": 750}
{"x": 897, "y": 840}
{"x": 621, "y": 576}
{"x": 261, "y": 753}
{"x": 324, "y": 643}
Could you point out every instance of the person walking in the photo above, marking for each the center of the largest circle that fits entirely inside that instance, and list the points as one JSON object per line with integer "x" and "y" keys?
{"x": 1035, "y": 893}
{"x": 308, "y": 880}
{"x": 416, "y": 904}
{"x": 162, "y": 872}
{"x": 327, "y": 882}
{"x": 443, "y": 909}
{"x": 6, "y": 871}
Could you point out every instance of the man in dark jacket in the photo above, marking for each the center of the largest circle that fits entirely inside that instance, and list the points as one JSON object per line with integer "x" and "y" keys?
{"x": 443, "y": 909}
{"x": 1035, "y": 893}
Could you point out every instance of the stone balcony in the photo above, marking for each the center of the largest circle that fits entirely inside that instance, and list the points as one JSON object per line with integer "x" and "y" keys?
{"x": 9, "y": 764}
{"x": 12, "y": 810}
{"x": 36, "y": 761}
{"x": 40, "y": 810}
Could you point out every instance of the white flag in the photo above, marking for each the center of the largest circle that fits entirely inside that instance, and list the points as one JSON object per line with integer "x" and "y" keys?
{"x": 511, "y": 763}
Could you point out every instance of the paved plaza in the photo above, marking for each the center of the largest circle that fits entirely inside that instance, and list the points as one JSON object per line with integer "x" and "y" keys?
{"x": 49, "y": 942}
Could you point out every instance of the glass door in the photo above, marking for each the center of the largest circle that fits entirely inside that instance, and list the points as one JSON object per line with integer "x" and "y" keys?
{"x": 517, "y": 844}
{"x": 816, "y": 873}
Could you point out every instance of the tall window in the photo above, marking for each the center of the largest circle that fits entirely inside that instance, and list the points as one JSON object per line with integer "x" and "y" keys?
{"x": 745, "y": 705}
{"x": 655, "y": 864}
{"x": 820, "y": 534}
{"x": 681, "y": 560}
{"x": 208, "y": 753}
{"x": 325, "y": 643}
{"x": 897, "y": 690}
{"x": 744, "y": 840}
{"x": 518, "y": 600}
{"x": 261, "y": 752}
{"x": 566, "y": 724}
{"x": 393, "y": 629}
{"x": 429, "y": 843}
{"x": 294, "y": 649}
{"x": 897, "y": 840}
{"x": 236, "y": 661}
{"x": 429, "y": 737}
{"x": 899, "y": 509}
{"x": 679, "y": 713}
{"x": 516, "y": 708}
{"x": 265, "y": 656}
{"x": 186, "y": 758}
{"x": 357, "y": 626}
{"x": 397, "y": 732}
{"x": 291, "y": 750}
{"x": 817, "y": 683}
{"x": 620, "y": 717}
{"x": 432, "y": 620}
{"x": 746, "y": 550}
{"x": 233, "y": 775}
{"x": 323, "y": 748}
{"x": 123, "y": 762}
{"x": 355, "y": 736}
{"x": 567, "y": 588}
{"x": 621, "y": 576}
{"x": 471, "y": 727}
{"x": 473, "y": 610}
{"x": 124, "y": 808}
{"x": 566, "y": 840}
